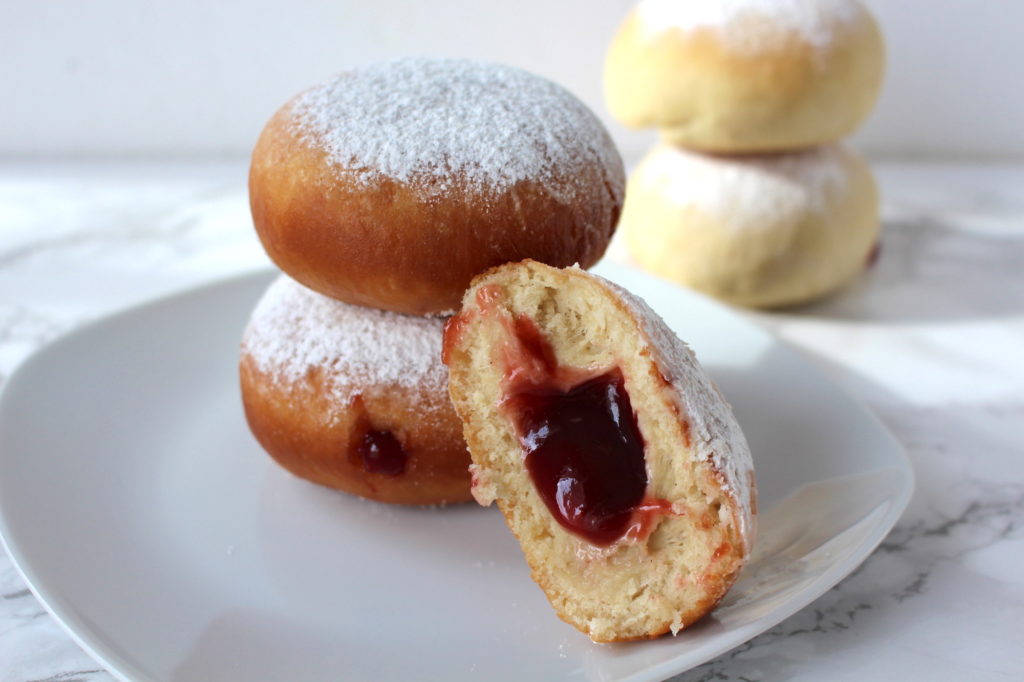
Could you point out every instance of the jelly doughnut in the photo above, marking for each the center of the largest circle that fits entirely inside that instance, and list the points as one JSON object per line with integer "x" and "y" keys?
{"x": 615, "y": 461}
{"x": 353, "y": 398}
{"x": 392, "y": 185}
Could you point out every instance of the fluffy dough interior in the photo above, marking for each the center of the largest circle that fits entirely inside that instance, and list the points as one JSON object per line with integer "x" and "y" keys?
{"x": 635, "y": 588}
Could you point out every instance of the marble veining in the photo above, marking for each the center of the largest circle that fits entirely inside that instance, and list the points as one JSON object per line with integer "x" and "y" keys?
{"x": 900, "y": 570}
{"x": 929, "y": 338}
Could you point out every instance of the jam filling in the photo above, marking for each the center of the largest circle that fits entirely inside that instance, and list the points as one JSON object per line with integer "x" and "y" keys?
{"x": 581, "y": 444}
{"x": 381, "y": 453}
{"x": 585, "y": 454}
{"x": 874, "y": 254}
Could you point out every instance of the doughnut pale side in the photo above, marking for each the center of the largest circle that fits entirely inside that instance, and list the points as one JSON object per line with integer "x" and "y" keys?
{"x": 760, "y": 231}
{"x": 392, "y": 185}
{"x": 745, "y": 75}
{"x": 353, "y": 398}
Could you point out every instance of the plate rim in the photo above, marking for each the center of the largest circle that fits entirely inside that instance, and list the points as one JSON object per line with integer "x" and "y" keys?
{"x": 52, "y": 603}
{"x": 101, "y": 650}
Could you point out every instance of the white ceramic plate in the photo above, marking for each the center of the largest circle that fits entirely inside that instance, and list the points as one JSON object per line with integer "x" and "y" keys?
{"x": 149, "y": 522}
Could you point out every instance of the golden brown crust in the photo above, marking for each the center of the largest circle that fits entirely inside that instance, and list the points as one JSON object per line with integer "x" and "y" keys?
{"x": 300, "y": 425}
{"x": 394, "y": 247}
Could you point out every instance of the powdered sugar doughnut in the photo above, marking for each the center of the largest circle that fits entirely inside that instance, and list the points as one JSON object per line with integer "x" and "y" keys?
{"x": 615, "y": 460}
{"x": 353, "y": 398}
{"x": 392, "y": 185}
{"x": 761, "y": 231}
{"x": 745, "y": 75}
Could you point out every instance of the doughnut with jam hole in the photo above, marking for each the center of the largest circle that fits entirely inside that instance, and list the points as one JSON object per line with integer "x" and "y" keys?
{"x": 353, "y": 398}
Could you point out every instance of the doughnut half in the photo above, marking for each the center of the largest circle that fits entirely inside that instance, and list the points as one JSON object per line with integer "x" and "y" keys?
{"x": 616, "y": 462}
{"x": 353, "y": 398}
{"x": 737, "y": 76}
{"x": 394, "y": 184}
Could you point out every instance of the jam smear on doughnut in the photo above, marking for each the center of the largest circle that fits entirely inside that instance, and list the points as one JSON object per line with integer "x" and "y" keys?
{"x": 381, "y": 453}
{"x": 487, "y": 299}
{"x": 874, "y": 254}
{"x": 584, "y": 453}
{"x": 646, "y": 517}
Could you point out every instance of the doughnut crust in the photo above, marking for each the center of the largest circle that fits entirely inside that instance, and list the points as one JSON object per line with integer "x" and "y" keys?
{"x": 684, "y": 544}
{"x": 319, "y": 377}
{"x": 737, "y": 76}
{"x": 392, "y": 185}
{"x": 760, "y": 231}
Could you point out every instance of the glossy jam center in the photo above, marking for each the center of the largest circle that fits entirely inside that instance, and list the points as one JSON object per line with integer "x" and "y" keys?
{"x": 381, "y": 453}
{"x": 584, "y": 452}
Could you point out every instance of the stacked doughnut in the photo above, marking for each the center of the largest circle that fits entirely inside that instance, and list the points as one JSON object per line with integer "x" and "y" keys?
{"x": 749, "y": 197}
{"x": 380, "y": 194}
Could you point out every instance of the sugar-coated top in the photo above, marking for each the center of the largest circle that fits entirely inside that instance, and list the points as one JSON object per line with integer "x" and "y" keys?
{"x": 748, "y": 192}
{"x": 754, "y": 25}
{"x": 294, "y": 330}
{"x": 428, "y": 121}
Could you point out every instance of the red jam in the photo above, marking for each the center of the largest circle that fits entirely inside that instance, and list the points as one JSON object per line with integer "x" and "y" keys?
{"x": 874, "y": 254}
{"x": 488, "y": 297}
{"x": 381, "y": 453}
{"x": 645, "y": 518}
{"x": 580, "y": 440}
{"x": 585, "y": 454}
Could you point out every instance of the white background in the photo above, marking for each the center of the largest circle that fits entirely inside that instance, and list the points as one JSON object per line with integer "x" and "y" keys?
{"x": 112, "y": 78}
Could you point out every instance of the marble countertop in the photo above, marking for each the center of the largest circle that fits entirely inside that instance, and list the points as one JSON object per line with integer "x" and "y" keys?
{"x": 931, "y": 339}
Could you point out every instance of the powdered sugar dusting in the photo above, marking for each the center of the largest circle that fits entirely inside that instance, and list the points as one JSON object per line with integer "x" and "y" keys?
{"x": 427, "y": 121}
{"x": 714, "y": 431}
{"x": 747, "y": 192}
{"x": 294, "y": 330}
{"x": 752, "y": 26}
